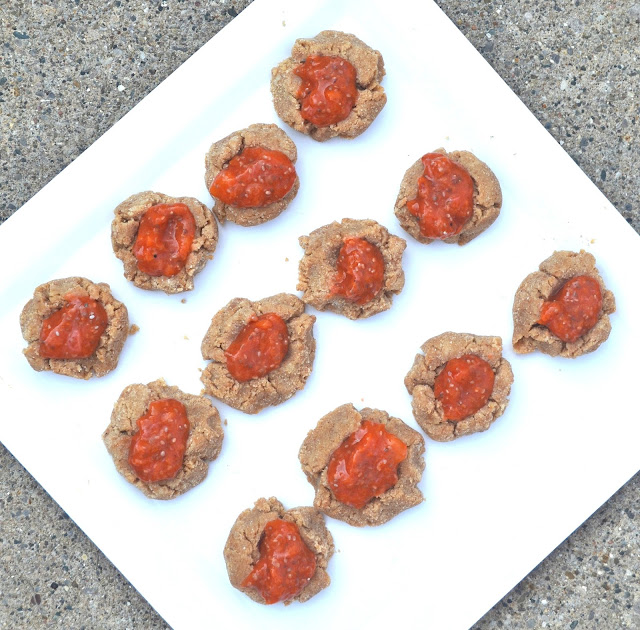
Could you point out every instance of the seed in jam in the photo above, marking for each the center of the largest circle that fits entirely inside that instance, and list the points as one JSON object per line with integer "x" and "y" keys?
{"x": 574, "y": 309}
{"x": 157, "y": 449}
{"x": 74, "y": 331}
{"x": 360, "y": 271}
{"x": 464, "y": 386}
{"x": 254, "y": 178}
{"x": 164, "y": 239}
{"x": 286, "y": 564}
{"x": 365, "y": 465}
{"x": 445, "y": 197}
{"x": 259, "y": 349}
{"x": 328, "y": 90}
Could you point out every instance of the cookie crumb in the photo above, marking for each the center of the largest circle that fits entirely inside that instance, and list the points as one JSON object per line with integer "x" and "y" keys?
{"x": 183, "y": 301}
{"x": 133, "y": 329}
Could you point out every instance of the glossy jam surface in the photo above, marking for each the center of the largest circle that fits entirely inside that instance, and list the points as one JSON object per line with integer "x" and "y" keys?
{"x": 328, "y": 90}
{"x": 574, "y": 309}
{"x": 359, "y": 272}
{"x": 254, "y": 178}
{"x": 365, "y": 465}
{"x": 259, "y": 349}
{"x": 157, "y": 449}
{"x": 445, "y": 197}
{"x": 464, "y": 386}
{"x": 286, "y": 564}
{"x": 164, "y": 239}
{"x": 74, "y": 331}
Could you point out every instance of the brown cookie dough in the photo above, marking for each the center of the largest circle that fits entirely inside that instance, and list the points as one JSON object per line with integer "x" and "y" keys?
{"x": 203, "y": 444}
{"x": 426, "y": 367}
{"x": 124, "y": 230}
{"x": 222, "y": 151}
{"x": 241, "y": 550}
{"x": 369, "y": 67}
{"x": 279, "y": 384}
{"x": 331, "y": 431}
{"x": 538, "y": 287}
{"x": 49, "y": 298}
{"x": 487, "y": 198}
{"x": 318, "y": 266}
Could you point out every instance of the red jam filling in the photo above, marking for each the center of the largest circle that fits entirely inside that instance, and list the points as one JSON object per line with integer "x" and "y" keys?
{"x": 74, "y": 331}
{"x": 157, "y": 449}
{"x": 574, "y": 309}
{"x": 360, "y": 271}
{"x": 328, "y": 90}
{"x": 254, "y": 178}
{"x": 464, "y": 386}
{"x": 164, "y": 239}
{"x": 259, "y": 349}
{"x": 286, "y": 564}
{"x": 445, "y": 197}
{"x": 365, "y": 465}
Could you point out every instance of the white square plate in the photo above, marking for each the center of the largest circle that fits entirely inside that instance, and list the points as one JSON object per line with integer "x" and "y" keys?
{"x": 495, "y": 503}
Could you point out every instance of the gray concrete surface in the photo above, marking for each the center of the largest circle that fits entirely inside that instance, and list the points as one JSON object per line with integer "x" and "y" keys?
{"x": 70, "y": 69}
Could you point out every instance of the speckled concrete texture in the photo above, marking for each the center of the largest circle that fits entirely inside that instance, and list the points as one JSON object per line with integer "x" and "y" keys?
{"x": 574, "y": 63}
{"x": 69, "y": 69}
